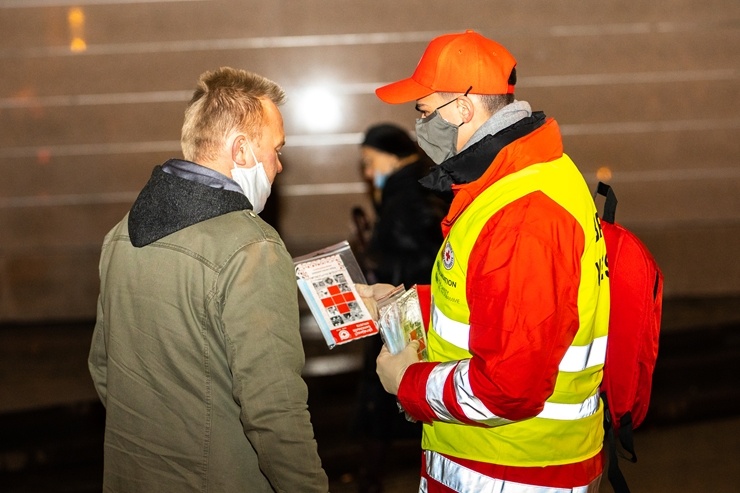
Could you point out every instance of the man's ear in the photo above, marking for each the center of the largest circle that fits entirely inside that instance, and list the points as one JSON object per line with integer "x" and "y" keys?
{"x": 466, "y": 107}
{"x": 238, "y": 151}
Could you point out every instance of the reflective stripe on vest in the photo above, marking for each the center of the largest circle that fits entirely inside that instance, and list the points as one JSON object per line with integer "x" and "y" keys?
{"x": 475, "y": 410}
{"x": 577, "y": 358}
{"x": 454, "y": 332}
{"x": 464, "y": 480}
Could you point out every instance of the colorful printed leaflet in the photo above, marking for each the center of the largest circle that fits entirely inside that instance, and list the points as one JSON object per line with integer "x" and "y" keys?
{"x": 334, "y": 301}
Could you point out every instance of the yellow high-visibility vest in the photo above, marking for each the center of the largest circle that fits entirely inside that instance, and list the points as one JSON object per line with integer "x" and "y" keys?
{"x": 570, "y": 427}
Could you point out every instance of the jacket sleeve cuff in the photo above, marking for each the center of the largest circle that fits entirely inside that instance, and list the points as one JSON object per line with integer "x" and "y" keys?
{"x": 412, "y": 393}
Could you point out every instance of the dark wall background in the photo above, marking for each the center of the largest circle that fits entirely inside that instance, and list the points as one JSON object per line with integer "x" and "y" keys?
{"x": 648, "y": 90}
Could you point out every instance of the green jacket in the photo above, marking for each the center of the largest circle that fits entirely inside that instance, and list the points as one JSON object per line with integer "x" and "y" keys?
{"x": 196, "y": 352}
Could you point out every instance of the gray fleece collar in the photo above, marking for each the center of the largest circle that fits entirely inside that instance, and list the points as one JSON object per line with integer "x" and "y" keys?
{"x": 503, "y": 118}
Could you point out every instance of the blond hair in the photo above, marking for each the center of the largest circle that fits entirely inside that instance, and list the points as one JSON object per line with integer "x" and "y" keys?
{"x": 226, "y": 100}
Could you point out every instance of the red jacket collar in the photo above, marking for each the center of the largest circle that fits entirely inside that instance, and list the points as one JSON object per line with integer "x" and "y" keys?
{"x": 542, "y": 145}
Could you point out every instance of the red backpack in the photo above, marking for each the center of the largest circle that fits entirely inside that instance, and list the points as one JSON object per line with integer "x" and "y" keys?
{"x": 636, "y": 285}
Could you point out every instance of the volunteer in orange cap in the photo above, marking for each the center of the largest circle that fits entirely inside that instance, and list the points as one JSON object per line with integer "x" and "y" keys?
{"x": 519, "y": 297}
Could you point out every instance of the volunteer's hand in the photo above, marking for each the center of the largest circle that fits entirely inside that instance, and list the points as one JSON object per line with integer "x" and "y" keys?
{"x": 371, "y": 293}
{"x": 391, "y": 367}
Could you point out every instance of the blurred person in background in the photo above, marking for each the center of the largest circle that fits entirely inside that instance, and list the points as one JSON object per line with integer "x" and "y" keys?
{"x": 403, "y": 244}
{"x": 406, "y": 235}
{"x": 519, "y": 294}
{"x": 196, "y": 353}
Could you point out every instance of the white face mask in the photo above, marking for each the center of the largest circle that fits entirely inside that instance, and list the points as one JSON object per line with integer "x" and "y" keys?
{"x": 254, "y": 182}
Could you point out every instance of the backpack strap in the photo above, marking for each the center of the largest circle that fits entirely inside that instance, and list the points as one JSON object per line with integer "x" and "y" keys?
{"x": 616, "y": 478}
{"x": 626, "y": 437}
{"x": 610, "y": 205}
{"x": 614, "y": 473}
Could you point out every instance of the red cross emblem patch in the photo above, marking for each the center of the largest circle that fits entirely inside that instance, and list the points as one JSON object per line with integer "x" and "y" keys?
{"x": 448, "y": 256}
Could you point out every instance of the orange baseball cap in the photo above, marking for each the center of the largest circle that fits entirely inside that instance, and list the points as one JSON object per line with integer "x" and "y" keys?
{"x": 454, "y": 63}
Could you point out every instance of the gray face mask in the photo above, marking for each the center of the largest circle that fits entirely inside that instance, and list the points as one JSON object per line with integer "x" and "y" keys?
{"x": 436, "y": 136}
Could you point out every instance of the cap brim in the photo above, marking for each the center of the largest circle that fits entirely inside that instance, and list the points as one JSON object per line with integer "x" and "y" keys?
{"x": 402, "y": 91}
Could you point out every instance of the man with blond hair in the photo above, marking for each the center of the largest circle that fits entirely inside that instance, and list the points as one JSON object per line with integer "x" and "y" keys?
{"x": 196, "y": 352}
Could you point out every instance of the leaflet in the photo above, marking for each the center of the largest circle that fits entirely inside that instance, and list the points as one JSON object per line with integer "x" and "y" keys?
{"x": 326, "y": 279}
